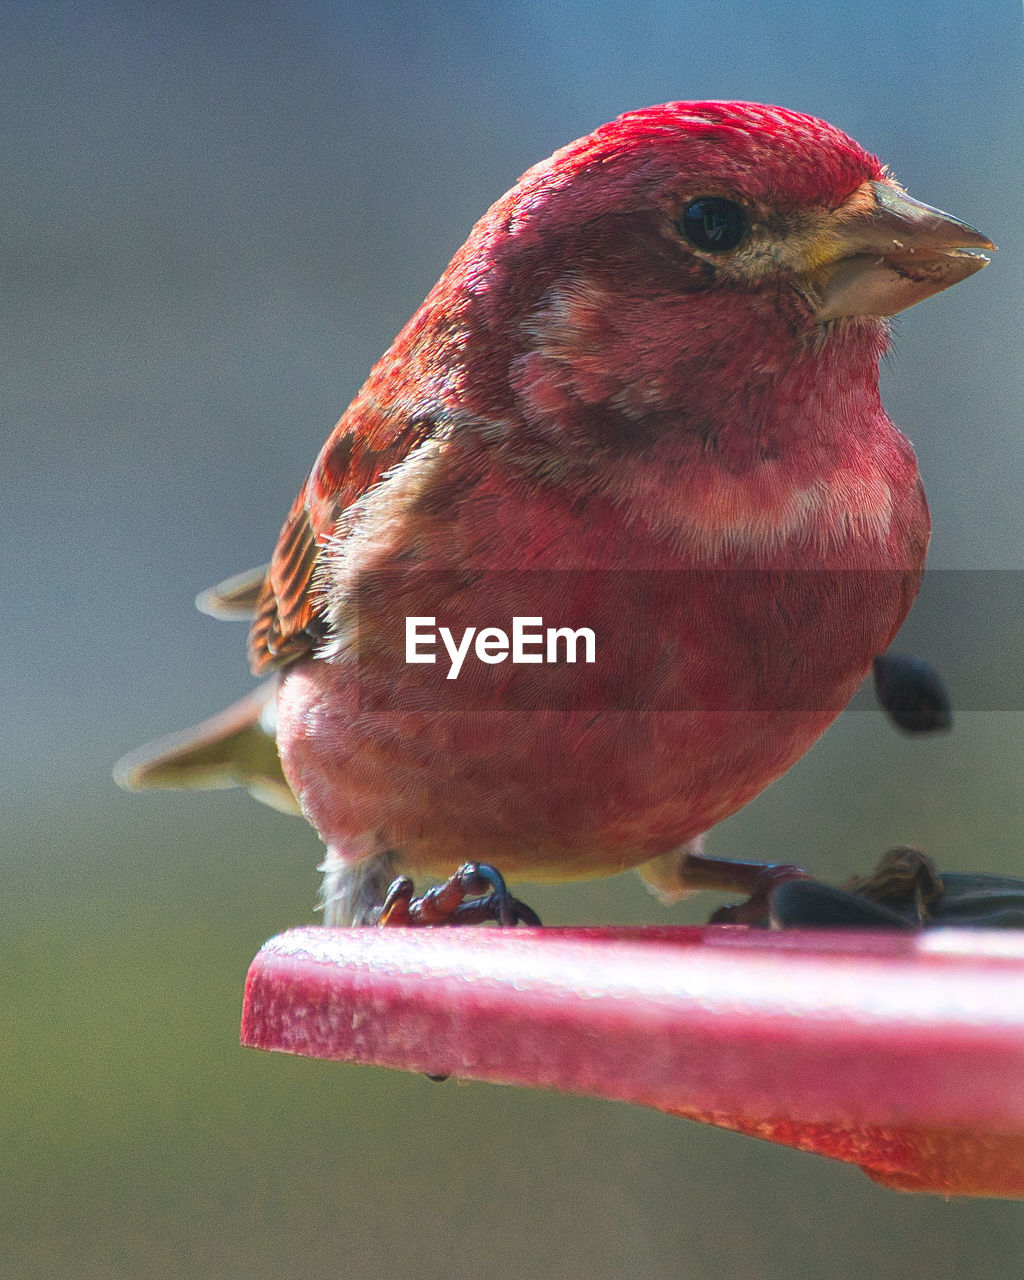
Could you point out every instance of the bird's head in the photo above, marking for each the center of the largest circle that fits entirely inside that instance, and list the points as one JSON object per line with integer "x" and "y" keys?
{"x": 698, "y": 236}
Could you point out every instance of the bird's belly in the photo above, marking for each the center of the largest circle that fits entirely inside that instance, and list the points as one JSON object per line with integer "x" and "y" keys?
{"x": 705, "y": 686}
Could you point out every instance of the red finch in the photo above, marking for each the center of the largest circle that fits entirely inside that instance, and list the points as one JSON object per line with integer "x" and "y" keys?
{"x": 640, "y": 412}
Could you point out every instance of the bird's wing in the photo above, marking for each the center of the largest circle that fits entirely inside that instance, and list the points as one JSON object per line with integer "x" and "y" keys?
{"x": 289, "y": 619}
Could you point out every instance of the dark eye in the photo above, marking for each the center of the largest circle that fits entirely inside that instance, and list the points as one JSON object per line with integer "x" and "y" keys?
{"x": 713, "y": 223}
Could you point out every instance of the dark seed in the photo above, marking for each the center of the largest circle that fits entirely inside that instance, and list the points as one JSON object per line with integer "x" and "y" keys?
{"x": 912, "y": 694}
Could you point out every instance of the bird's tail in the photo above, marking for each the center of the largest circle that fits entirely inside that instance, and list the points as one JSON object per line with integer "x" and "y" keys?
{"x": 235, "y": 748}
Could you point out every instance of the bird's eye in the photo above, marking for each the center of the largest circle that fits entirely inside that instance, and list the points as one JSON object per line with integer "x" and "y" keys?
{"x": 714, "y": 224}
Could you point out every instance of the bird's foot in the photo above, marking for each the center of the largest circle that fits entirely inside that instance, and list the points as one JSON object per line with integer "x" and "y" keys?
{"x": 755, "y": 908}
{"x": 758, "y": 880}
{"x": 475, "y": 894}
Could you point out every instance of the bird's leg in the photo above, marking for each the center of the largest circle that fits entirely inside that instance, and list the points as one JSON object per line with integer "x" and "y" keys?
{"x": 475, "y": 894}
{"x": 756, "y": 879}
{"x": 684, "y": 870}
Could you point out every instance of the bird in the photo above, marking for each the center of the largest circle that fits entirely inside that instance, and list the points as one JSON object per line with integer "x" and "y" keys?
{"x": 639, "y": 410}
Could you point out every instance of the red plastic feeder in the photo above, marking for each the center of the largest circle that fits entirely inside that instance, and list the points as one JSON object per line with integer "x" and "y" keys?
{"x": 900, "y": 1052}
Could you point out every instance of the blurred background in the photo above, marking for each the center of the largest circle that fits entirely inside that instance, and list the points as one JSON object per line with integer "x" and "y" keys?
{"x": 217, "y": 216}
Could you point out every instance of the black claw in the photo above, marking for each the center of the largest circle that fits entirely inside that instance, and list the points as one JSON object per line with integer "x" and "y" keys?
{"x": 481, "y": 878}
{"x": 522, "y": 914}
{"x": 395, "y": 907}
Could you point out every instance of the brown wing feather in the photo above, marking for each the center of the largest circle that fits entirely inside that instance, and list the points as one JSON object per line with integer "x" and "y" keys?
{"x": 369, "y": 439}
{"x": 282, "y": 629}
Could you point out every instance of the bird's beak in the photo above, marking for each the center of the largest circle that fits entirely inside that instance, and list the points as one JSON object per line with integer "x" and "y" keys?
{"x": 881, "y": 251}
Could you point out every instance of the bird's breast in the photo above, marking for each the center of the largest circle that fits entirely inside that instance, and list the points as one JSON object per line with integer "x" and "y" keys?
{"x": 424, "y": 727}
